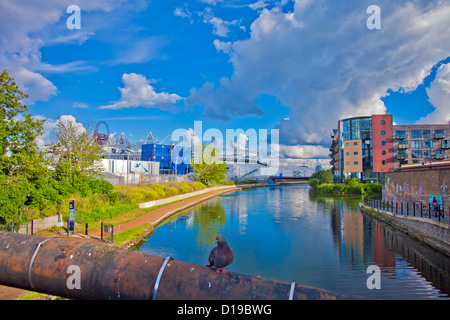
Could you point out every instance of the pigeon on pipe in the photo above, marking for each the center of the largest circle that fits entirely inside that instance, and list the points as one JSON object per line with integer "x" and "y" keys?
{"x": 221, "y": 255}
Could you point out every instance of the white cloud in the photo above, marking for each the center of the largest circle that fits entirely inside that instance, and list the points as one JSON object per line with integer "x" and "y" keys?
{"x": 322, "y": 62}
{"x": 34, "y": 84}
{"x": 184, "y": 13}
{"x": 221, "y": 27}
{"x": 80, "y": 105}
{"x": 211, "y": 2}
{"x": 140, "y": 51}
{"x": 439, "y": 97}
{"x": 260, "y": 4}
{"x": 49, "y": 132}
{"x": 304, "y": 152}
{"x": 139, "y": 93}
{"x": 222, "y": 45}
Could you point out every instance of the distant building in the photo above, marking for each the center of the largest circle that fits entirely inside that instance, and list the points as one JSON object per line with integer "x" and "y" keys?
{"x": 171, "y": 161}
{"x": 367, "y": 147}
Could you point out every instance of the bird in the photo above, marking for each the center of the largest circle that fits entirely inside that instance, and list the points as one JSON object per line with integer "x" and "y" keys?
{"x": 220, "y": 256}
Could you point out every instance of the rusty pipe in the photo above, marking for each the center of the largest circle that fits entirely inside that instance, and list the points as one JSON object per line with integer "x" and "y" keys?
{"x": 106, "y": 272}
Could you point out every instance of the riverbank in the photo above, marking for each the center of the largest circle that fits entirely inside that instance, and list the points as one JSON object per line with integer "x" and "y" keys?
{"x": 433, "y": 233}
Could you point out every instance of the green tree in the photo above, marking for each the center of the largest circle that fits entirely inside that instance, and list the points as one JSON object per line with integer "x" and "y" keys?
{"x": 211, "y": 168}
{"x": 75, "y": 153}
{"x": 318, "y": 178}
{"x": 20, "y": 154}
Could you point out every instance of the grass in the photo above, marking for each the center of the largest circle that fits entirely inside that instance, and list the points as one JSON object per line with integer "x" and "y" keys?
{"x": 154, "y": 191}
{"x": 132, "y": 235}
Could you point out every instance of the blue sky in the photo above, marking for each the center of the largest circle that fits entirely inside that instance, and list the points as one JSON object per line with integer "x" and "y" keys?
{"x": 161, "y": 65}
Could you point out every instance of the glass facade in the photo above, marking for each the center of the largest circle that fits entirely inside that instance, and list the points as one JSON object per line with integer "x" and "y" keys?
{"x": 361, "y": 129}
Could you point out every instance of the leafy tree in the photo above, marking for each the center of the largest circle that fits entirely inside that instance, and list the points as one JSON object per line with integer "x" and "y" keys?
{"x": 75, "y": 153}
{"x": 318, "y": 178}
{"x": 210, "y": 170}
{"x": 19, "y": 152}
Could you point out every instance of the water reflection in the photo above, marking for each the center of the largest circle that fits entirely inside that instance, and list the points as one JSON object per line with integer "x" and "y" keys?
{"x": 207, "y": 225}
{"x": 362, "y": 240}
{"x": 283, "y": 233}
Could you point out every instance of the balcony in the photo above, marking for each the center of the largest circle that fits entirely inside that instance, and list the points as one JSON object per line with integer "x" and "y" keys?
{"x": 403, "y": 146}
{"x": 401, "y": 136}
{"x": 440, "y": 135}
{"x": 401, "y": 156}
{"x": 441, "y": 156}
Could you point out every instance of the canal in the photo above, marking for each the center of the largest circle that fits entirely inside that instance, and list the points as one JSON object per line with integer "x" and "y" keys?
{"x": 284, "y": 233}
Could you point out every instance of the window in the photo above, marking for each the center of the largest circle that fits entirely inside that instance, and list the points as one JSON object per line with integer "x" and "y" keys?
{"x": 355, "y": 163}
{"x": 439, "y": 134}
{"x": 400, "y": 134}
{"x": 347, "y": 153}
{"x": 355, "y": 143}
{"x": 383, "y": 152}
{"x": 416, "y": 144}
{"x": 428, "y": 144}
{"x": 355, "y": 153}
{"x": 426, "y": 134}
{"x": 383, "y": 143}
{"x": 445, "y": 144}
{"x": 415, "y": 134}
{"x": 427, "y": 154}
{"x": 417, "y": 154}
{"x": 403, "y": 142}
{"x": 383, "y": 162}
{"x": 383, "y": 122}
{"x": 383, "y": 133}
{"x": 347, "y": 143}
{"x": 440, "y": 154}
{"x": 347, "y": 163}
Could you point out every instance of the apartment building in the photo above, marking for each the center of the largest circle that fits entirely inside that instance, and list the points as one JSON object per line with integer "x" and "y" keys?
{"x": 420, "y": 143}
{"x": 367, "y": 147}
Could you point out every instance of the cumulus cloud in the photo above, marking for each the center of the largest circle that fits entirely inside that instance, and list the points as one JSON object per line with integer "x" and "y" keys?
{"x": 439, "y": 97}
{"x": 48, "y": 135}
{"x": 34, "y": 84}
{"x": 324, "y": 64}
{"x": 138, "y": 92}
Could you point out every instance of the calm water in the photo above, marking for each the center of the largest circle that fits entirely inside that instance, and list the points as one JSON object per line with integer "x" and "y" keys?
{"x": 283, "y": 233}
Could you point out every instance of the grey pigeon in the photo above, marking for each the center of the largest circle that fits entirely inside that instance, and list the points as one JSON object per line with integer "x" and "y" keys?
{"x": 220, "y": 256}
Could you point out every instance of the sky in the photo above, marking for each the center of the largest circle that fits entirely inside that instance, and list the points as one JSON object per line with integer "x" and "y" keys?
{"x": 295, "y": 66}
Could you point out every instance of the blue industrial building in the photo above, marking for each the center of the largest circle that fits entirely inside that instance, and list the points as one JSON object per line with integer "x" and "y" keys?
{"x": 172, "y": 159}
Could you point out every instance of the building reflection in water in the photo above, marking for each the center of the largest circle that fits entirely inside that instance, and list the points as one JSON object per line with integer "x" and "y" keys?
{"x": 362, "y": 240}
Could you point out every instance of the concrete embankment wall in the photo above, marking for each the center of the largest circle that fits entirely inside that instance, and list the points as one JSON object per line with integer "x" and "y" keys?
{"x": 433, "y": 233}
{"x": 182, "y": 196}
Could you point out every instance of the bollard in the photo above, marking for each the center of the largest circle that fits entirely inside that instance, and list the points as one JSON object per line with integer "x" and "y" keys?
{"x": 110, "y": 273}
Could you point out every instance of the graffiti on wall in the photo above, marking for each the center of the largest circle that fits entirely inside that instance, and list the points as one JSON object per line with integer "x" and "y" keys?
{"x": 408, "y": 194}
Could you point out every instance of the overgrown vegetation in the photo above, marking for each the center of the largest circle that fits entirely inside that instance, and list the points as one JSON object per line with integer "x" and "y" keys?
{"x": 321, "y": 183}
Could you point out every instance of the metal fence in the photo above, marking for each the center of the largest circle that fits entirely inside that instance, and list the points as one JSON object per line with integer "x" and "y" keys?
{"x": 40, "y": 224}
{"x": 413, "y": 209}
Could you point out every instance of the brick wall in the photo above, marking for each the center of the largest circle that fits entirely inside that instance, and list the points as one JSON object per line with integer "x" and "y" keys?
{"x": 417, "y": 185}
